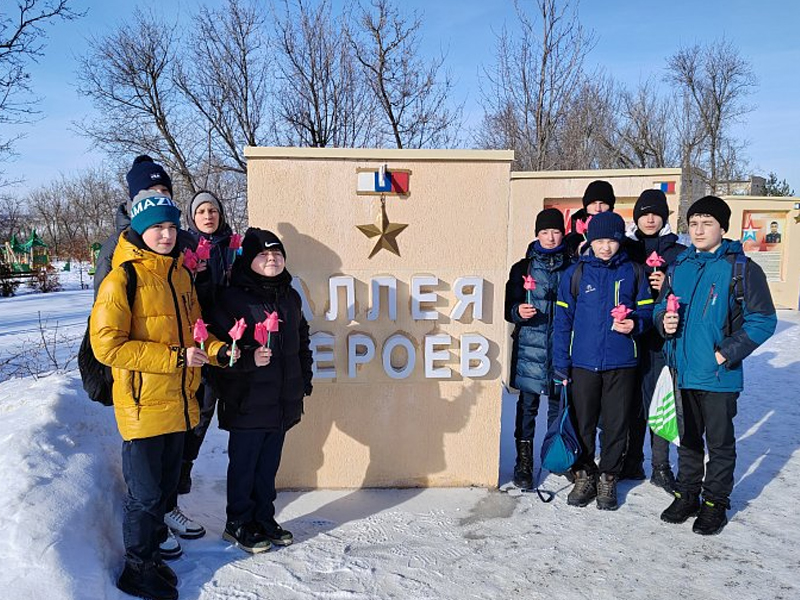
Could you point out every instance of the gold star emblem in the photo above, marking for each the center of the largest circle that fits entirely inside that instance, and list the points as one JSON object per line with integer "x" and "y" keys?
{"x": 387, "y": 232}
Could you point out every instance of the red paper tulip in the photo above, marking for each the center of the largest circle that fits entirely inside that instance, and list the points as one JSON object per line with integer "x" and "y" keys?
{"x": 261, "y": 334}
{"x": 237, "y": 330}
{"x": 236, "y": 334}
{"x": 529, "y": 282}
{"x": 235, "y": 242}
{"x": 203, "y": 249}
{"x": 620, "y": 312}
{"x": 672, "y": 303}
{"x": 200, "y": 333}
{"x": 582, "y": 226}
{"x": 654, "y": 260}
{"x": 190, "y": 260}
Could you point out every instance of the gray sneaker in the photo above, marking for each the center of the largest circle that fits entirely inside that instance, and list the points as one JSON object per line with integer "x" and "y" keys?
{"x": 584, "y": 490}
{"x": 607, "y": 492}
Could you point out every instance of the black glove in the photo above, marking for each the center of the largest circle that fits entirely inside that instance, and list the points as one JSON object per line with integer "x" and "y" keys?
{"x": 307, "y": 389}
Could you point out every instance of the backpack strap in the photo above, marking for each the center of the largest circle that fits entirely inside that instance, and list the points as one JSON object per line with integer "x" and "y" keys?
{"x": 575, "y": 281}
{"x": 736, "y": 293}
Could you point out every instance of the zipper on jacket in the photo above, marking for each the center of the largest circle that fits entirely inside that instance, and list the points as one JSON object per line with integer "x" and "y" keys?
{"x": 180, "y": 340}
{"x": 710, "y": 297}
{"x": 137, "y": 394}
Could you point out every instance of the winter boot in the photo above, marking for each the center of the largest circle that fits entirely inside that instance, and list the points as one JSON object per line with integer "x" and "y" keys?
{"x": 183, "y": 525}
{"x": 584, "y": 490}
{"x": 607, "y": 492}
{"x": 683, "y": 507}
{"x": 144, "y": 581}
{"x": 523, "y": 470}
{"x": 662, "y": 477}
{"x": 170, "y": 548}
{"x": 247, "y": 536}
{"x": 185, "y": 481}
{"x": 276, "y": 534}
{"x": 712, "y": 518}
{"x": 166, "y": 572}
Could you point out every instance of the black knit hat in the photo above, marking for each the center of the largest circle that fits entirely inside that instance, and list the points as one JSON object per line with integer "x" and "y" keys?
{"x": 256, "y": 241}
{"x": 599, "y": 190}
{"x": 651, "y": 202}
{"x": 144, "y": 174}
{"x": 550, "y": 218}
{"x": 713, "y": 206}
{"x": 606, "y": 226}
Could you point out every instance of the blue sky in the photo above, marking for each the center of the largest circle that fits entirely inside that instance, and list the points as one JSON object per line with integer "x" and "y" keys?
{"x": 633, "y": 40}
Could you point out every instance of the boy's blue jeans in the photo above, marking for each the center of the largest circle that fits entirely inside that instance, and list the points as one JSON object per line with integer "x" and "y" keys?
{"x": 151, "y": 468}
{"x": 527, "y": 409}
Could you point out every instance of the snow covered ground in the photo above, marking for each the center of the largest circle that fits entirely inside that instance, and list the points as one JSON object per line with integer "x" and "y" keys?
{"x": 61, "y": 494}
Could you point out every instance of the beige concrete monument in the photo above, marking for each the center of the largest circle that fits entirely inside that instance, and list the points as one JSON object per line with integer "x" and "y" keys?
{"x": 401, "y": 257}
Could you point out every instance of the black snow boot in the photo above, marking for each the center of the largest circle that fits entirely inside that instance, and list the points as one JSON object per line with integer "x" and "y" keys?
{"x": 185, "y": 481}
{"x": 144, "y": 581}
{"x": 607, "y": 492}
{"x": 247, "y": 536}
{"x": 523, "y": 469}
{"x": 662, "y": 477}
{"x": 166, "y": 572}
{"x": 276, "y": 534}
{"x": 584, "y": 490}
{"x": 712, "y": 518}
{"x": 683, "y": 507}
{"x": 632, "y": 471}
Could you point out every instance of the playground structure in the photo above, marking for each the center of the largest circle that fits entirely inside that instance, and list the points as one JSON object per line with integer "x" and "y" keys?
{"x": 24, "y": 259}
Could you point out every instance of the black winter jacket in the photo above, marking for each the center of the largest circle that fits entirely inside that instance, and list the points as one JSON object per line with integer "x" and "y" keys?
{"x": 270, "y": 397}
{"x": 532, "y": 353}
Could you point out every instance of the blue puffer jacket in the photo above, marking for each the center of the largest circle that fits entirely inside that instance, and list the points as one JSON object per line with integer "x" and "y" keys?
{"x": 582, "y": 336}
{"x": 702, "y": 282}
{"x": 532, "y": 353}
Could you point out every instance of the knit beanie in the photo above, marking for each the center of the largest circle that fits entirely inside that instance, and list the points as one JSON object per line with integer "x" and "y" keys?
{"x": 201, "y": 198}
{"x": 711, "y": 205}
{"x": 651, "y": 202}
{"x": 599, "y": 190}
{"x": 150, "y": 208}
{"x": 144, "y": 174}
{"x": 550, "y": 218}
{"x": 256, "y": 241}
{"x": 606, "y": 225}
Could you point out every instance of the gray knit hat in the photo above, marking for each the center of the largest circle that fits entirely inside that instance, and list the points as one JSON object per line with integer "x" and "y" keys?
{"x": 201, "y": 198}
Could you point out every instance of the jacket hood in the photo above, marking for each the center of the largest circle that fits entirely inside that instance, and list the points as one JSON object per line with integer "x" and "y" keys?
{"x": 726, "y": 247}
{"x": 122, "y": 219}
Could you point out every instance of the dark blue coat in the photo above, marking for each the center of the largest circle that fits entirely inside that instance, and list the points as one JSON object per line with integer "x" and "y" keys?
{"x": 532, "y": 353}
{"x": 702, "y": 282}
{"x": 582, "y": 336}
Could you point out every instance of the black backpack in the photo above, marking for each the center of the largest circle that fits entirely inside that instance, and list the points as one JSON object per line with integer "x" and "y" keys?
{"x": 96, "y": 376}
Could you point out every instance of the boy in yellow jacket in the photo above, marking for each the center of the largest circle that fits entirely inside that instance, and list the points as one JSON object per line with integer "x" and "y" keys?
{"x": 156, "y": 369}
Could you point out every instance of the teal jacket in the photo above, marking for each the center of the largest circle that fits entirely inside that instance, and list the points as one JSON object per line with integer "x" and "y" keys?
{"x": 702, "y": 282}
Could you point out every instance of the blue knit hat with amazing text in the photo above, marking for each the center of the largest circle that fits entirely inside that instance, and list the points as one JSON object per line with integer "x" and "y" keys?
{"x": 150, "y": 208}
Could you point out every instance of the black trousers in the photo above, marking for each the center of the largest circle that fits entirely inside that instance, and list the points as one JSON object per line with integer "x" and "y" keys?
{"x": 707, "y": 415}
{"x": 253, "y": 460}
{"x": 151, "y": 468}
{"x": 606, "y": 393}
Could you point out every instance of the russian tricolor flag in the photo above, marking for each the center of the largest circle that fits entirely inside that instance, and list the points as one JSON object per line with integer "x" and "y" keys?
{"x": 390, "y": 182}
{"x": 668, "y": 187}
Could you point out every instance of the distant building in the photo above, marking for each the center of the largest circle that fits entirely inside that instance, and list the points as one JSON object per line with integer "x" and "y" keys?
{"x": 755, "y": 186}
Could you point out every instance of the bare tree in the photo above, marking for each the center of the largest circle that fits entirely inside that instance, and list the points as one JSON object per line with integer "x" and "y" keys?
{"x": 128, "y": 76}
{"x": 225, "y": 75}
{"x": 642, "y": 136}
{"x": 581, "y": 141}
{"x": 322, "y": 100}
{"x": 21, "y": 42}
{"x": 714, "y": 80}
{"x": 414, "y": 96}
{"x": 530, "y": 87}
